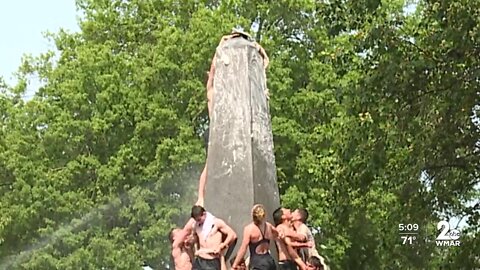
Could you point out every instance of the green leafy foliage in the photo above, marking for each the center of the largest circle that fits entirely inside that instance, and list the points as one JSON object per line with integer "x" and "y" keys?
{"x": 374, "y": 115}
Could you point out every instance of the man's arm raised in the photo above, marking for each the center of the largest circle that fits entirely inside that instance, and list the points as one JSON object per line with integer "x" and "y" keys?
{"x": 188, "y": 228}
{"x": 211, "y": 75}
{"x": 186, "y": 231}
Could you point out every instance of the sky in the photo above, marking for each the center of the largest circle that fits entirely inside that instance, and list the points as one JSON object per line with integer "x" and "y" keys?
{"x": 22, "y": 24}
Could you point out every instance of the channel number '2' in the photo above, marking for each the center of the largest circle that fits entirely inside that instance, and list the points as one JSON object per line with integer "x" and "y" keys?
{"x": 446, "y": 233}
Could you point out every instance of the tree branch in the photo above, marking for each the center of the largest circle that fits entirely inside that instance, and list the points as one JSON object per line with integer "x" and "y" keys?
{"x": 258, "y": 36}
{"x": 443, "y": 166}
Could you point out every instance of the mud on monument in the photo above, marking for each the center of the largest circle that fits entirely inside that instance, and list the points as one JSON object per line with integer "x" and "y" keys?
{"x": 241, "y": 163}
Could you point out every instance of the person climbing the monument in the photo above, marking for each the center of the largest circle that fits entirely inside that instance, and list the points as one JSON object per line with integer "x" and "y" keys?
{"x": 288, "y": 258}
{"x": 203, "y": 176}
{"x": 257, "y": 236}
{"x": 299, "y": 220}
{"x": 211, "y": 74}
{"x": 182, "y": 249}
{"x": 210, "y": 91}
{"x": 210, "y": 231}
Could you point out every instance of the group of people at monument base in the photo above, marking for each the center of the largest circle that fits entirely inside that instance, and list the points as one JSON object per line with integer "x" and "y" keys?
{"x": 206, "y": 242}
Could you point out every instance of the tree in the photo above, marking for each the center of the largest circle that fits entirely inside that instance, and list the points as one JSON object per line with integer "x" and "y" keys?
{"x": 373, "y": 111}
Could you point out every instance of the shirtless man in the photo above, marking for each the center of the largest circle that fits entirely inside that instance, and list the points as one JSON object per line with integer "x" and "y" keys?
{"x": 210, "y": 231}
{"x": 288, "y": 258}
{"x": 182, "y": 249}
{"x": 299, "y": 220}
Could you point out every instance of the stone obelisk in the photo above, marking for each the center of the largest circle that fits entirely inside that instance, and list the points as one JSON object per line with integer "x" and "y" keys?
{"x": 241, "y": 162}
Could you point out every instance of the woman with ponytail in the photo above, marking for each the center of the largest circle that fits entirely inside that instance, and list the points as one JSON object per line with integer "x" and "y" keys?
{"x": 257, "y": 236}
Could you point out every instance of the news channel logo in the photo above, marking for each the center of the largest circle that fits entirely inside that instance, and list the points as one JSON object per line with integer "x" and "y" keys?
{"x": 447, "y": 237}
